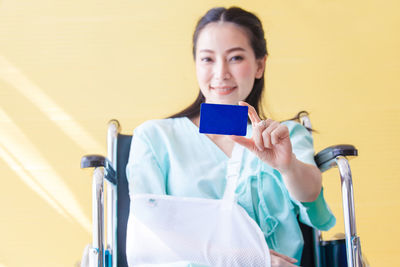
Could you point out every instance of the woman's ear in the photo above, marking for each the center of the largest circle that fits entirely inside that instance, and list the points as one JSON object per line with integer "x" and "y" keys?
{"x": 261, "y": 67}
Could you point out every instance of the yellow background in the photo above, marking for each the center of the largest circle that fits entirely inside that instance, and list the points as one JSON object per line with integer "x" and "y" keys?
{"x": 67, "y": 67}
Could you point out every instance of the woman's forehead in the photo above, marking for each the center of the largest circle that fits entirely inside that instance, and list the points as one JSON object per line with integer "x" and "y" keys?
{"x": 223, "y": 35}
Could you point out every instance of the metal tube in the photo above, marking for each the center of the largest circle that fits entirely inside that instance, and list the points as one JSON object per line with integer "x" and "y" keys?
{"x": 98, "y": 215}
{"x": 353, "y": 248}
{"x": 305, "y": 121}
{"x": 112, "y": 134}
{"x": 317, "y": 252}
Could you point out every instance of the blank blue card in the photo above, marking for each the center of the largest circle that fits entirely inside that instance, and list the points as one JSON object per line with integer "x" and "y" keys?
{"x": 223, "y": 119}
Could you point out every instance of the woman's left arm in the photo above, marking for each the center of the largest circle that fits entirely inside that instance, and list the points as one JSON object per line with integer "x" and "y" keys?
{"x": 303, "y": 181}
{"x": 271, "y": 143}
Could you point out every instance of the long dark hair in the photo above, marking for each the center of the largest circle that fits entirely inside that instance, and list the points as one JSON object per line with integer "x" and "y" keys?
{"x": 252, "y": 25}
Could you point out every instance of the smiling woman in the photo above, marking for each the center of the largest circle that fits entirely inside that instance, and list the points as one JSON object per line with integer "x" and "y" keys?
{"x": 264, "y": 177}
{"x": 226, "y": 66}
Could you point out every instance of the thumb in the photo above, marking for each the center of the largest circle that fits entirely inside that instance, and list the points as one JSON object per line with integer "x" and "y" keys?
{"x": 246, "y": 142}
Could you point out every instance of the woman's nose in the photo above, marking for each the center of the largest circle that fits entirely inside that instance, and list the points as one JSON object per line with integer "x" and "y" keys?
{"x": 221, "y": 71}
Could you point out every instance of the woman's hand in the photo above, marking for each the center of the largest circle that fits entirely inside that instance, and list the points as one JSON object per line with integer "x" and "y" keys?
{"x": 270, "y": 141}
{"x": 279, "y": 260}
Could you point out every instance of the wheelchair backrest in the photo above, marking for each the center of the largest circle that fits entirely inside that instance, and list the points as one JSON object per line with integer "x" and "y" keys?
{"x": 123, "y": 200}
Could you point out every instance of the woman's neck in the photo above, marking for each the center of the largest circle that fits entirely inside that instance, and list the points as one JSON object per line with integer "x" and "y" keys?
{"x": 222, "y": 141}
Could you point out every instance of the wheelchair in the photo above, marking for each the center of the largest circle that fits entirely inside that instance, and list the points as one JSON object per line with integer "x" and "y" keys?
{"x": 110, "y": 218}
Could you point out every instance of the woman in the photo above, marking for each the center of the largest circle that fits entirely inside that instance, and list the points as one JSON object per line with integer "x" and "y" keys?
{"x": 278, "y": 180}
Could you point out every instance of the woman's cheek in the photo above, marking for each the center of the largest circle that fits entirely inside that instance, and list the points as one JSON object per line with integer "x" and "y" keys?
{"x": 244, "y": 71}
{"x": 202, "y": 73}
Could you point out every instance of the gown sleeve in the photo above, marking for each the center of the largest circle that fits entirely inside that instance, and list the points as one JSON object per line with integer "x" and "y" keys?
{"x": 145, "y": 171}
{"x": 317, "y": 213}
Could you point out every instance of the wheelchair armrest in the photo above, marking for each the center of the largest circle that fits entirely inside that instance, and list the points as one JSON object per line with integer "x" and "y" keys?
{"x": 94, "y": 161}
{"x": 326, "y": 159}
{"x": 90, "y": 161}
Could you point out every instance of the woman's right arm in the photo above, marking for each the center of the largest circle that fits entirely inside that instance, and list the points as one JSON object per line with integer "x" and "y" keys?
{"x": 145, "y": 171}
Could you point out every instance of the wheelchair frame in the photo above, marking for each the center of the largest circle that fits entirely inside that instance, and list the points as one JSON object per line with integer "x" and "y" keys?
{"x": 104, "y": 252}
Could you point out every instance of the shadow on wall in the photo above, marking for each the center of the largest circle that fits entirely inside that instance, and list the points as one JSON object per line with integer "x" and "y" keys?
{"x": 24, "y": 157}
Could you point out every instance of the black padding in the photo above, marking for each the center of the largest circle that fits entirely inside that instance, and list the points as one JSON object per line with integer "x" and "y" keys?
{"x": 109, "y": 173}
{"x": 333, "y": 253}
{"x": 90, "y": 161}
{"x": 326, "y": 158}
{"x": 123, "y": 201}
{"x": 307, "y": 257}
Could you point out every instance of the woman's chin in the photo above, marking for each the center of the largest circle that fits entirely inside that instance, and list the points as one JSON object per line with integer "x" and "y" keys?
{"x": 223, "y": 100}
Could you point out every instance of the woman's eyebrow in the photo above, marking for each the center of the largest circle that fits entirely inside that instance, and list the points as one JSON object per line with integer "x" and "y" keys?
{"x": 234, "y": 49}
{"x": 206, "y": 51}
{"x": 230, "y": 50}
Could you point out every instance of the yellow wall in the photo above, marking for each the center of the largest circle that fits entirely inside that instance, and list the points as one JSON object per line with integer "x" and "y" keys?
{"x": 67, "y": 67}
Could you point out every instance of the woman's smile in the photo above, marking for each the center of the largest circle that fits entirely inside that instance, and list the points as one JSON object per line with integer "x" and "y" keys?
{"x": 223, "y": 90}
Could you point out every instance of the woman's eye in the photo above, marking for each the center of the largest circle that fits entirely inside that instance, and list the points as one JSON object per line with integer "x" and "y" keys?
{"x": 236, "y": 58}
{"x": 206, "y": 59}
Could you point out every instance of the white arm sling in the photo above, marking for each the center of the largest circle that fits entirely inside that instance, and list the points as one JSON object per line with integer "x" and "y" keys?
{"x": 165, "y": 229}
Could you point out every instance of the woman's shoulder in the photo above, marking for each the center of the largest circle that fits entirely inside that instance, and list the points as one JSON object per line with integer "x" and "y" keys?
{"x": 163, "y": 134}
{"x": 161, "y": 126}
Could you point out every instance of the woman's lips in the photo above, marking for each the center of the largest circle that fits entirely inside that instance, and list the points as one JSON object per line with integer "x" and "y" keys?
{"x": 223, "y": 90}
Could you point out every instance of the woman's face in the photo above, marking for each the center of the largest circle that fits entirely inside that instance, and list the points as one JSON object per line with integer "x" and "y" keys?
{"x": 226, "y": 65}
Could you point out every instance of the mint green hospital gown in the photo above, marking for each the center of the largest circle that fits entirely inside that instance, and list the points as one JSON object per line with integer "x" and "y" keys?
{"x": 171, "y": 157}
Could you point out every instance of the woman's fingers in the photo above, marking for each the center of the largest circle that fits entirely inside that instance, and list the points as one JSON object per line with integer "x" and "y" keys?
{"x": 246, "y": 142}
{"x": 252, "y": 113}
{"x": 257, "y": 127}
{"x": 280, "y": 133}
{"x": 286, "y": 258}
{"x": 268, "y": 130}
{"x": 270, "y": 140}
{"x": 257, "y": 136}
{"x": 266, "y": 133}
{"x": 277, "y": 261}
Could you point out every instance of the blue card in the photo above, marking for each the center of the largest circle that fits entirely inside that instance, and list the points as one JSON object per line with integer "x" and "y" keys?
{"x": 223, "y": 119}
